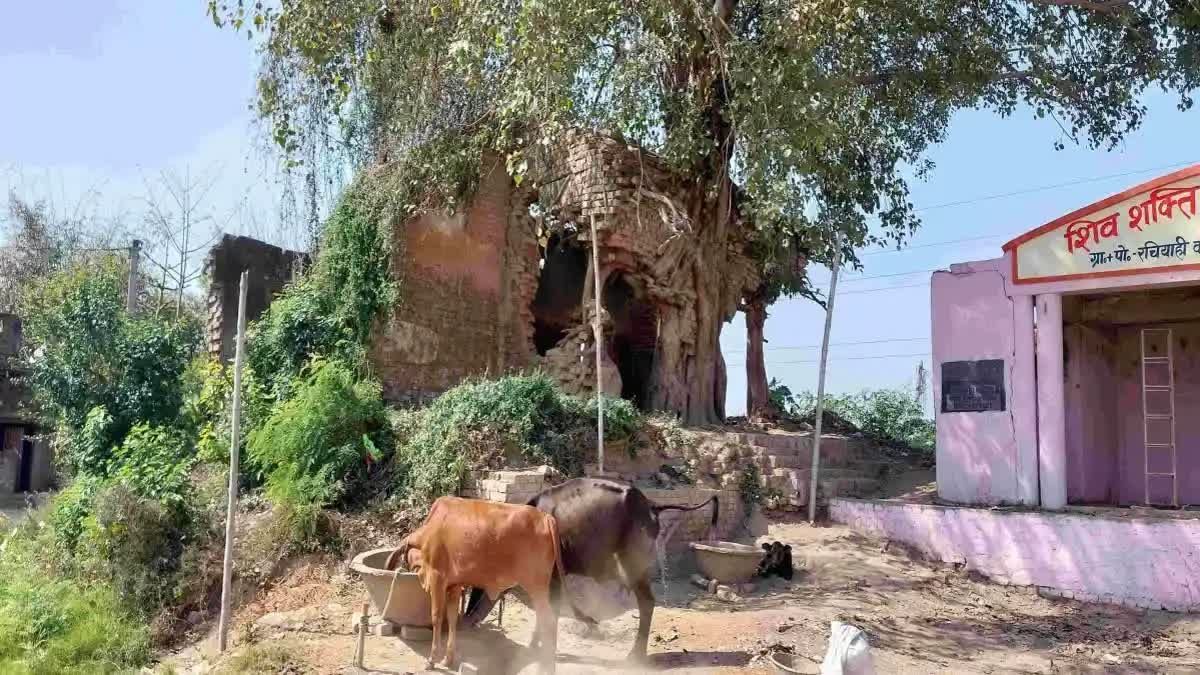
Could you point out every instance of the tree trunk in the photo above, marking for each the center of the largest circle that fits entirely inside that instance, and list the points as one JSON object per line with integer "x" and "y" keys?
{"x": 690, "y": 373}
{"x": 758, "y": 397}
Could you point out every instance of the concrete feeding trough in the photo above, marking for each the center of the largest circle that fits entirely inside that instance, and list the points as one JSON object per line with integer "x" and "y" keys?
{"x": 790, "y": 664}
{"x": 410, "y": 603}
{"x": 726, "y": 561}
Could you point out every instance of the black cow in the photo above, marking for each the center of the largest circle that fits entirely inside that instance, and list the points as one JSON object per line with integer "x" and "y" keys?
{"x": 608, "y": 530}
{"x": 777, "y": 560}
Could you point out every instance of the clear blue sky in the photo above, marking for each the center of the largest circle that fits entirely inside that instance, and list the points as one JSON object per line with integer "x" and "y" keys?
{"x": 105, "y": 92}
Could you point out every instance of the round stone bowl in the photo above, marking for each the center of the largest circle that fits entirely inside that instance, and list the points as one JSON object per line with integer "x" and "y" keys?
{"x": 726, "y": 561}
{"x": 789, "y": 664}
{"x": 410, "y": 603}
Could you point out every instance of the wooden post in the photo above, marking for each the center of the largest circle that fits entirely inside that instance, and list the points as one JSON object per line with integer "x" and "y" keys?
{"x": 598, "y": 332}
{"x": 820, "y": 411}
{"x": 131, "y": 289}
{"x": 360, "y": 650}
{"x": 234, "y": 452}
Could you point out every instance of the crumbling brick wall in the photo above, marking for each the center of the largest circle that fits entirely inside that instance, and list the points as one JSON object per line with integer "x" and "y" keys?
{"x": 447, "y": 325}
{"x": 270, "y": 267}
{"x": 639, "y": 207}
{"x": 468, "y": 281}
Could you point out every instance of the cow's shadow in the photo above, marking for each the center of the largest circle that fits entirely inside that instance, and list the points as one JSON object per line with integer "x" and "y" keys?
{"x": 490, "y": 646}
{"x": 664, "y": 661}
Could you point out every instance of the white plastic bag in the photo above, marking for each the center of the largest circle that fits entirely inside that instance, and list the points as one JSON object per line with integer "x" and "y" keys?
{"x": 849, "y": 651}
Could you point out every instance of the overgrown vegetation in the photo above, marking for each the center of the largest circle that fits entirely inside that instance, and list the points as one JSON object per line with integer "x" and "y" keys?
{"x": 97, "y": 367}
{"x": 479, "y": 422}
{"x": 891, "y": 416}
{"x": 331, "y": 310}
{"x": 53, "y": 623}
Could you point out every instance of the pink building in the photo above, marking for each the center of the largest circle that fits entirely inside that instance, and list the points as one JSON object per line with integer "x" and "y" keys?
{"x": 1068, "y": 370}
{"x": 1067, "y": 375}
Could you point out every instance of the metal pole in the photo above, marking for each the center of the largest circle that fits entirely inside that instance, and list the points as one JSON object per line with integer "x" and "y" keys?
{"x": 598, "y": 334}
{"x": 820, "y": 411}
{"x": 234, "y": 452}
{"x": 135, "y": 254}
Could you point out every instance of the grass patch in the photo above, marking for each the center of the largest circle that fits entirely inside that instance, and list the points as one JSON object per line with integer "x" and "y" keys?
{"x": 261, "y": 659}
{"x": 52, "y": 624}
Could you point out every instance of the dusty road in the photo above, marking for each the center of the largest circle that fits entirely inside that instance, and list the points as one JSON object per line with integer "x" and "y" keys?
{"x": 921, "y": 618}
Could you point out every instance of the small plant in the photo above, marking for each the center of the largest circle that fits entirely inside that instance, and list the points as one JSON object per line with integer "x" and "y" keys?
{"x": 752, "y": 492}
{"x": 154, "y": 463}
{"x": 260, "y": 659}
{"x": 324, "y": 441}
{"x": 134, "y": 544}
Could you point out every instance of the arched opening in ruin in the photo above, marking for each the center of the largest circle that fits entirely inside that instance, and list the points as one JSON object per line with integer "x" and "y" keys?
{"x": 556, "y": 305}
{"x": 634, "y": 340}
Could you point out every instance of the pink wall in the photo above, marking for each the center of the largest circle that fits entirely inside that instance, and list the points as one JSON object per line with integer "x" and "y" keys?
{"x": 1142, "y": 562}
{"x": 977, "y": 452}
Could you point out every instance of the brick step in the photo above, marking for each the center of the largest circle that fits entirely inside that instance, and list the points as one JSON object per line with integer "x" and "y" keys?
{"x": 831, "y": 446}
{"x": 793, "y": 483}
{"x": 869, "y": 467}
{"x": 846, "y": 487}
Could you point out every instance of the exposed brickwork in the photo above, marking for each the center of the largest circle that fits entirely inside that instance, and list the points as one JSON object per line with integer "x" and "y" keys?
{"x": 448, "y": 324}
{"x": 271, "y": 268}
{"x": 644, "y": 232}
{"x": 468, "y": 282}
{"x": 688, "y": 526}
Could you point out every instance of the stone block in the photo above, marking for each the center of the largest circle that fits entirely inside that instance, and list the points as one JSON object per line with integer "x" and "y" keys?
{"x": 416, "y": 633}
{"x": 384, "y": 629}
{"x": 466, "y": 668}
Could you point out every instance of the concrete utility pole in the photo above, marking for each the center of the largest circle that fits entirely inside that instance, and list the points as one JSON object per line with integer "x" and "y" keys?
{"x": 820, "y": 411}
{"x": 598, "y": 336}
{"x": 131, "y": 291}
{"x": 234, "y": 452}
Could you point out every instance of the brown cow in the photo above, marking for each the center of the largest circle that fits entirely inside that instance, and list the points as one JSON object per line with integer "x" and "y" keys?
{"x": 493, "y": 547}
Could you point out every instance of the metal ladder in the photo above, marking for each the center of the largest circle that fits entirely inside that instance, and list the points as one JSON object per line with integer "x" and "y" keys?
{"x": 1162, "y": 393}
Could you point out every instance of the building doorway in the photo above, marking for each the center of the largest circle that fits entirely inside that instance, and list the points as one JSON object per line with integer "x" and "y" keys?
{"x": 633, "y": 344}
{"x": 1132, "y": 397}
{"x": 25, "y": 471}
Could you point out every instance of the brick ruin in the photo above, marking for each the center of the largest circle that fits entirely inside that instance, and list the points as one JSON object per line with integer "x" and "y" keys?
{"x": 506, "y": 284}
{"x": 26, "y": 458}
{"x": 270, "y": 267}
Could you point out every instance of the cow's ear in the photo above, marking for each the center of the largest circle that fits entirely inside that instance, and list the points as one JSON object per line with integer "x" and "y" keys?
{"x": 787, "y": 548}
{"x": 766, "y": 547}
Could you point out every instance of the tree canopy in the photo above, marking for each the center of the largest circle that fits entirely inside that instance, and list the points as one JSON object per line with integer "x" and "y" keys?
{"x": 808, "y": 117}
{"x": 830, "y": 104}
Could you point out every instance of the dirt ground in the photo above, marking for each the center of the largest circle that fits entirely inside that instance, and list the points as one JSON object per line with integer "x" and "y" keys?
{"x": 921, "y": 618}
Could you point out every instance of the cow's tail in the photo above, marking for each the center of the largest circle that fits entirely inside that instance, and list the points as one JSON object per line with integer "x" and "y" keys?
{"x": 716, "y": 510}
{"x": 558, "y": 566}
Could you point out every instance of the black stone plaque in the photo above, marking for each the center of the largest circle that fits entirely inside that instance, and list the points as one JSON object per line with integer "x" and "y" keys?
{"x": 973, "y": 386}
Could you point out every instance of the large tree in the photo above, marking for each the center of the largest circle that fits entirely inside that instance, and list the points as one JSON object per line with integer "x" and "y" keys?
{"x": 819, "y": 110}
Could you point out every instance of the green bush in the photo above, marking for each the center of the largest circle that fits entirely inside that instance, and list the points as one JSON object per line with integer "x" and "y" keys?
{"x": 325, "y": 439}
{"x": 331, "y": 311}
{"x": 482, "y": 419}
{"x": 88, "y": 354}
{"x": 893, "y": 416}
{"x": 154, "y": 462}
{"x": 51, "y": 624}
{"x": 68, "y": 511}
{"x": 88, "y": 449}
